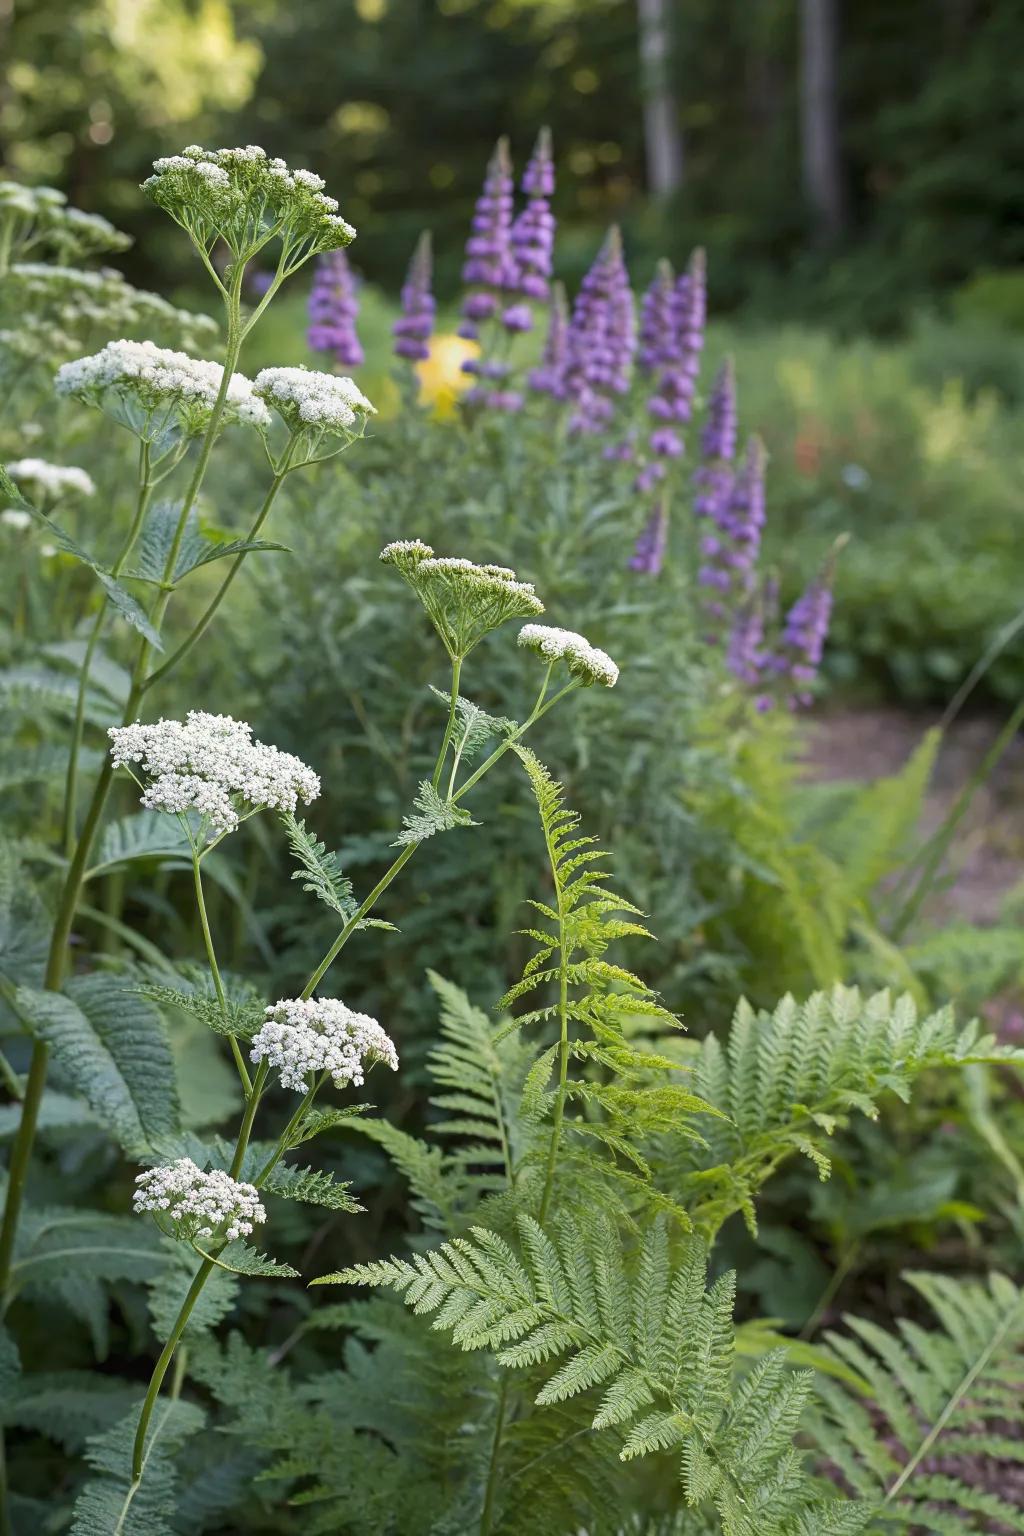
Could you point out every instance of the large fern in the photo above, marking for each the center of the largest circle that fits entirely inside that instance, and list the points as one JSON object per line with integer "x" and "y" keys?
{"x": 787, "y": 1080}
{"x": 943, "y": 1413}
{"x": 650, "y": 1343}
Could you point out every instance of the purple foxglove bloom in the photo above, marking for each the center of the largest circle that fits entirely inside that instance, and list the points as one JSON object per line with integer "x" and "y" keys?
{"x": 333, "y": 307}
{"x": 657, "y": 321}
{"x": 682, "y": 343}
{"x": 666, "y": 443}
{"x": 532, "y": 235}
{"x": 745, "y": 654}
{"x": 718, "y": 437}
{"x": 649, "y": 476}
{"x": 517, "y": 318}
{"x": 649, "y": 553}
{"x": 415, "y": 325}
{"x": 742, "y": 516}
{"x": 549, "y": 378}
{"x": 490, "y": 263}
{"x": 805, "y": 632}
{"x": 602, "y": 339}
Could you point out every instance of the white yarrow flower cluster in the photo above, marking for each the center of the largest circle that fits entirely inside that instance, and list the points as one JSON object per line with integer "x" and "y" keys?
{"x": 199, "y": 1204}
{"x": 405, "y": 552}
{"x": 247, "y": 198}
{"x": 51, "y": 480}
{"x": 584, "y": 660}
{"x": 324, "y": 402}
{"x": 211, "y": 764}
{"x": 157, "y": 379}
{"x": 304, "y": 1035}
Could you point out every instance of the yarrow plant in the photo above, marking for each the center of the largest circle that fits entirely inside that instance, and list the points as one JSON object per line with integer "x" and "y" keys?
{"x": 305, "y": 1036}
{"x": 189, "y": 1203}
{"x": 50, "y": 482}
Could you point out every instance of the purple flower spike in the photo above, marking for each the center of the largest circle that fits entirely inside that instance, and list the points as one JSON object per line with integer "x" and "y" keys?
{"x": 333, "y": 307}
{"x": 415, "y": 325}
{"x": 718, "y": 439}
{"x": 745, "y": 655}
{"x": 602, "y": 339}
{"x": 806, "y": 630}
{"x": 532, "y": 235}
{"x": 517, "y": 318}
{"x": 649, "y": 553}
{"x": 657, "y": 321}
{"x": 743, "y": 516}
{"x": 550, "y": 377}
{"x": 489, "y": 260}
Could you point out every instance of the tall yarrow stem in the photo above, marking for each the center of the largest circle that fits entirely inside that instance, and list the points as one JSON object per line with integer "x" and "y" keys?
{"x": 35, "y": 1083}
{"x": 254, "y": 1092}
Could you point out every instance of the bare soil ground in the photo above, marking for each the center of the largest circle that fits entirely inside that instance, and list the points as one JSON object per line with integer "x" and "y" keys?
{"x": 987, "y": 857}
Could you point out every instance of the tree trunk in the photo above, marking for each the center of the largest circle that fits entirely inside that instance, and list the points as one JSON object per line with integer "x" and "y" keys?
{"x": 819, "y": 117}
{"x": 663, "y": 137}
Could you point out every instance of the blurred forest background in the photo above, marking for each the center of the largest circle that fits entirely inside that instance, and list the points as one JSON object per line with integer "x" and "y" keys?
{"x": 855, "y": 172}
{"x": 845, "y": 163}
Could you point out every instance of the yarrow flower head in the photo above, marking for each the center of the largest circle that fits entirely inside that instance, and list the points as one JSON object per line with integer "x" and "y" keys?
{"x": 308, "y": 1035}
{"x": 584, "y": 661}
{"x": 245, "y": 198}
{"x": 77, "y": 303}
{"x": 210, "y": 764}
{"x": 333, "y": 311}
{"x": 160, "y": 395}
{"x": 38, "y": 216}
{"x": 413, "y": 328}
{"x": 465, "y": 601}
{"x": 192, "y": 1203}
{"x": 50, "y": 481}
{"x": 315, "y": 404}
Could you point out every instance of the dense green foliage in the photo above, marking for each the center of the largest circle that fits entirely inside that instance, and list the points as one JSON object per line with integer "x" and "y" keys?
{"x": 569, "y": 1223}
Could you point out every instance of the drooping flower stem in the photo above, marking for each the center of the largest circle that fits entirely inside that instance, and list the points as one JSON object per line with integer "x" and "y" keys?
{"x": 145, "y": 491}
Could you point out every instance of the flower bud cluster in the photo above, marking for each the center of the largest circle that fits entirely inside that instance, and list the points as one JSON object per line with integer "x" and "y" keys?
{"x": 465, "y": 601}
{"x": 583, "y": 660}
{"x": 211, "y": 764}
{"x": 38, "y": 216}
{"x": 51, "y": 480}
{"x": 247, "y": 198}
{"x": 60, "y": 309}
{"x": 307, "y": 1035}
{"x": 147, "y": 387}
{"x": 302, "y": 398}
{"x": 198, "y": 1204}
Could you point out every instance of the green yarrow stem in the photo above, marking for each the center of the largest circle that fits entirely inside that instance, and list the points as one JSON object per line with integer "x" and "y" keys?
{"x": 540, "y": 708}
{"x": 35, "y": 1083}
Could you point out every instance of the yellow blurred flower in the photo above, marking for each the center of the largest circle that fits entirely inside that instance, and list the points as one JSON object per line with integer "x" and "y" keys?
{"x": 441, "y": 378}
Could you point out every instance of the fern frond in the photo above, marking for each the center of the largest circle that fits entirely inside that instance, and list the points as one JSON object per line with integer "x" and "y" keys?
{"x": 320, "y": 872}
{"x": 942, "y": 1402}
{"x": 788, "y": 1080}
{"x": 432, "y": 815}
{"x": 313, "y": 1187}
{"x": 110, "y": 1502}
{"x": 565, "y": 1308}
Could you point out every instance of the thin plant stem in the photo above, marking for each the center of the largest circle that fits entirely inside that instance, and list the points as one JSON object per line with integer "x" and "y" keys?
{"x": 934, "y": 851}
{"x": 847, "y": 1259}
{"x": 563, "y": 1038}
{"x": 145, "y": 491}
{"x": 449, "y": 728}
{"x": 491, "y": 1488}
{"x": 35, "y": 1084}
{"x": 539, "y": 709}
{"x": 199, "y": 1280}
{"x": 211, "y": 955}
{"x": 222, "y": 591}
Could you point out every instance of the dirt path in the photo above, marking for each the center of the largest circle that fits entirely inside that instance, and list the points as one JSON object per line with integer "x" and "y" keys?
{"x": 987, "y": 858}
